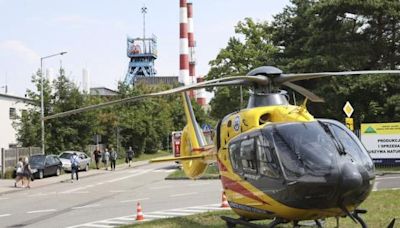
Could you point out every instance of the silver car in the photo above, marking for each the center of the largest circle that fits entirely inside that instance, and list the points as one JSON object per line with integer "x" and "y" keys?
{"x": 84, "y": 160}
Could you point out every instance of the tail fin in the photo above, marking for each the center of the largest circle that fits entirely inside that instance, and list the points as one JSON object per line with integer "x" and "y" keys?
{"x": 195, "y": 153}
{"x": 193, "y": 143}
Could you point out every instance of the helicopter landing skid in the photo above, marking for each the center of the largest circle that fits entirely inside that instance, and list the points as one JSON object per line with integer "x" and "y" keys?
{"x": 358, "y": 218}
{"x": 232, "y": 222}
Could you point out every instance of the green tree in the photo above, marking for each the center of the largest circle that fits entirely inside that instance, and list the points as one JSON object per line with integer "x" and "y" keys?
{"x": 250, "y": 49}
{"x": 315, "y": 36}
{"x": 68, "y": 133}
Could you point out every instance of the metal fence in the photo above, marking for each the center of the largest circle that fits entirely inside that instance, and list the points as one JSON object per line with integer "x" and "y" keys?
{"x": 9, "y": 157}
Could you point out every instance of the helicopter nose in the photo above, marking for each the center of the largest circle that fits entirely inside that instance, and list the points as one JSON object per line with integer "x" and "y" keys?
{"x": 351, "y": 179}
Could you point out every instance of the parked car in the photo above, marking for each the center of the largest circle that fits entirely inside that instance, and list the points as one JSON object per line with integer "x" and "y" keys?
{"x": 84, "y": 160}
{"x": 45, "y": 165}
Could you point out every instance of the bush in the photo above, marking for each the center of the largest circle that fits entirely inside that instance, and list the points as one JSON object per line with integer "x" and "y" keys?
{"x": 9, "y": 174}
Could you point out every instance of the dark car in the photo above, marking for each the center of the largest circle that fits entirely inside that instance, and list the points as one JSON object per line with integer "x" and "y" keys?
{"x": 45, "y": 165}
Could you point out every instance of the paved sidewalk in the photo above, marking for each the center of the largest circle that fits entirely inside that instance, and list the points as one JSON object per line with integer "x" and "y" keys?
{"x": 7, "y": 185}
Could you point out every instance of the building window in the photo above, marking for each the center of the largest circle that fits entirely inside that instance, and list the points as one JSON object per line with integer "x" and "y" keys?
{"x": 13, "y": 114}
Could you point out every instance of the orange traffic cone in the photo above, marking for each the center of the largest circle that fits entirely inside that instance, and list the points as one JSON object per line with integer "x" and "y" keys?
{"x": 139, "y": 215}
{"x": 224, "y": 200}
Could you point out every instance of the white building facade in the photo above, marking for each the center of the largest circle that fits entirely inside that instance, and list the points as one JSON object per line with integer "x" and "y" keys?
{"x": 11, "y": 108}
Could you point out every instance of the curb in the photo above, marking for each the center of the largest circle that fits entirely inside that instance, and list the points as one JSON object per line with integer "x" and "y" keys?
{"x": 142, "y": 163}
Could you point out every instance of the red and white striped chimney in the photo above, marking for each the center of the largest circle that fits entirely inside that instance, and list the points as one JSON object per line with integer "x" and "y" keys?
{"x": 192, "y": 60}
{"x": 183, "y": 44}
{"x": 201, "y": 99}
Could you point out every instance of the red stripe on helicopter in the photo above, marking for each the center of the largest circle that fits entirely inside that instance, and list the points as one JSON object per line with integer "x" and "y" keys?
{"x": 221, "y": 165}
{"x": 236, "y": 187}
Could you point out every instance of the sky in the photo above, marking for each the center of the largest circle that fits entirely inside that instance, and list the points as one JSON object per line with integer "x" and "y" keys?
{"x": 94, "y": 33}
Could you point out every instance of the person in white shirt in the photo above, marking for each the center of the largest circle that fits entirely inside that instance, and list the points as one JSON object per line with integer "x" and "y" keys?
{"x": 19, "y": 173}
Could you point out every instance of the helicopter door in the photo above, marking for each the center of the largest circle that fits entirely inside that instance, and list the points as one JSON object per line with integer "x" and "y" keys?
{"x": 243, "y": 157}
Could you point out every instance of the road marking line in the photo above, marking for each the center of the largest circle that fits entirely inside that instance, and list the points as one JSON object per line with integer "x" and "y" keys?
{"x": 199, "y": 184}
{"x": 86, "y": 206}
{"x": 4, "y": 198}
{"x": 161, "y": 187}
{"x": 113, "y": 222}
{"x": 191, "y": 210}
{"x": 170, "y": 213}
{"x": 156, "y": 216}
{"x": 4, "y": 215}
{"x": 184, "y": 194}
{"x": 133, "y": 200}
{"x": 129, "y": 176}
{"x": 129, "y": 219}
{"x": 163, "y": 171}
{"x": 94, "y": 225}
{"x": 137, "y": 170}
{"x": 211, "y": 208}
{"x": 41, "y": 211}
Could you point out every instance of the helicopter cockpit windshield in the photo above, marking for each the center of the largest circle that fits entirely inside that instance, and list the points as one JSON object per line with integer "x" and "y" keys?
{"x": 304, "y": 148}
{"x": 312, "y": 148}
{"x": 308, "y": 151}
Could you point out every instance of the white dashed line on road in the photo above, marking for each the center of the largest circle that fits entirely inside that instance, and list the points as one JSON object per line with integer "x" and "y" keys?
{"x": 41, "y": 211}
{"x": 184, "y": 194}
{"x": 86, "y": 206}
{"x": 134, "y": 200}
{"x": 5, "y": 215}
{"x": 116, "y": 222}
{"x": 129, "y": 176}
{"x": 4, "y": 198}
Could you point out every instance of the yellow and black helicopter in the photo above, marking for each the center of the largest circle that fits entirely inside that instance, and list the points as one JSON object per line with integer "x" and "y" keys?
{"x": 276, "y": 161}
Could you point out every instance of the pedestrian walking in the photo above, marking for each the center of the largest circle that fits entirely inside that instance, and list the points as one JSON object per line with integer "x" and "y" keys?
{"x": 97, "y": 156}
{"x": 113, "y": 158}
{"x": 19, "y": 172}
{"x": 106, "y": 158}
{"x": 27, "y": 173}
{"x": 129, "y": 156}
{"x": 74, "y": 166}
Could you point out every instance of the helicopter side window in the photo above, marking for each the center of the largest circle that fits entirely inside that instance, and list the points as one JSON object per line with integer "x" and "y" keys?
{"x": 234, "y": 150}
{"x": 267, "y": 161}
{"x": 247, "y": 155}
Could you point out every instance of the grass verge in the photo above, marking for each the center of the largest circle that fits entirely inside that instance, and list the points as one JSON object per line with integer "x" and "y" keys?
{"x": 382, "y": 207}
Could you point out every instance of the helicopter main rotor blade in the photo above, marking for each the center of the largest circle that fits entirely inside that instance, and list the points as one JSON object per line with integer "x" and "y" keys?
{"x": 303, "y": 76}
{"x": 305, "y": 92}
{"x": 233, "y": 80}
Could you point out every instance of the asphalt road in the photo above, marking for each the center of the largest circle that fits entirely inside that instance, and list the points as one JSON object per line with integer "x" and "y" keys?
{"x": 109, "y": 198}
{"x": 107, "y": 195}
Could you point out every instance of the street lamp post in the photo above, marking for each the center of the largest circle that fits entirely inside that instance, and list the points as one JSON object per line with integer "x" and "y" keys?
{"x": 41, "y": 94}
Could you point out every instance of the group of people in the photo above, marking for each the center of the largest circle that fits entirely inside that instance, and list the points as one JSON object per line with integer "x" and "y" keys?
{"x": 23, "y": 173}
{"x": 109, "y": 157}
